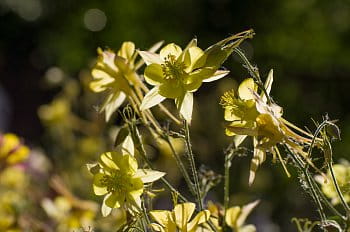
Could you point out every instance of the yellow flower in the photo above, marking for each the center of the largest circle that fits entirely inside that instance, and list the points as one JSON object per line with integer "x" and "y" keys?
{"x": 176, "y": 74}
{"x": 115, "y": 73}
{"x": 56, "y": 113}
{"x": 120, "y": 180}
{"x": 342, "y": 175}
{"x": 250, "y": 114}
{"x": 12, "y": 150}
{"x": 179, "y": 219}
{"x": 236, "y": 216}
{"x": 66, "y": 216}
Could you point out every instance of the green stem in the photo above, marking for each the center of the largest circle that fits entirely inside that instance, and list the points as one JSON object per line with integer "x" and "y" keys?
{"x": 144, "y": 211}
{"x": 254, "y": 72}
{"x": 326, "y": 201}
{"x": 311, "y": 186}
{"x": 228, "y": 158}
{"x": 193, "y": 165}
{"x": 181, "y": 165}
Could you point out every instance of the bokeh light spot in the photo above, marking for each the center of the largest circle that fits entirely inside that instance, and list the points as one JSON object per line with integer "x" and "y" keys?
{"x": 95, "y": 20}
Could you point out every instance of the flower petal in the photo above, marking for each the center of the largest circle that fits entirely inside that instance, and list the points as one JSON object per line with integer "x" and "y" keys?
{"x": 183, "y": 213}
{"x": 247, "y": 228}
{"x": 245, "y": 211}
{"x": 200, "y": 218}
{"x": 150, "y": 57}
{"x": 148, "y": 175}
{"x": 259, "y": 157}
{"x": 161, "y": 216}
{"x": 106, "y": 160}
{"x": 105, "y": 210}
{"x": 114, "y": 200}
{"x": 128, "y": 164}
{"x": 112, "y": 103}
{"x": 170, "y": 49}
{"x": 102, "y": 81}
{"x": 127, "y": 50}
{"x": 128, "y": 146}
{"x": 245, "y": 89}
{"x": 232, "y": 215}
{"x": 151, "y": 99}
{"x": 154, "y": 74}
{"x": 171, "y": 89}
{"x": 238, "y": 139}
{"x": 186, "y": 107}
{"x": 98, "y": 187}
{"x": 217, "y": 75}
{"x": 194, "y": 58}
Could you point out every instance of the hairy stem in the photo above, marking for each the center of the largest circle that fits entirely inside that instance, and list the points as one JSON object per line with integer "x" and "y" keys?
{"x": 181, "y": 166}
{"x": 193, "y": 165}
{"x": 139, "y": 146}
{"x": 228, "y": 158}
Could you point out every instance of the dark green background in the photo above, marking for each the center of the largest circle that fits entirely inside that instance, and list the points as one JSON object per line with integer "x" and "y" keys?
{"x": 306, "y": 42}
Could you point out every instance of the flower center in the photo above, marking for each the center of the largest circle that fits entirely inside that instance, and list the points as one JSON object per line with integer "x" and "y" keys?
{"x": 116, "y": 182}
{"x": 172, "y": 68}
{"x": 228, "y": 99}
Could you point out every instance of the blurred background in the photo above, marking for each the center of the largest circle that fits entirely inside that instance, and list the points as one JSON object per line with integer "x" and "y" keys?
{"x": 47, "y": 47}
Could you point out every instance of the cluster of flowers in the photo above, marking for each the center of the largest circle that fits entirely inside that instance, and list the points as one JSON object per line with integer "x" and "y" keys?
{"x": 176, "y": 73}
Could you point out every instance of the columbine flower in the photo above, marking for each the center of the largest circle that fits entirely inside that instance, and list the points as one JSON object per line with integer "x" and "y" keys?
{"x": 236, "y": 216}
{"x": 179, "y": 219}
{"x": 115, "y": 73}
{"x": 12, "y": 150}
{"x": 176, "y": 74}
{"x": 342, "y": 175}
{"x": 119, "y": 178}
{"x": 250, "y": 114}
{"x": 68, "y": 217}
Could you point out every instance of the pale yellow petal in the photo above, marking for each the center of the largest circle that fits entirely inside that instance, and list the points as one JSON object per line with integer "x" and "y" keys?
{"x": 127, "y": 50}
{"x": 148, "y": 175}
{"x": 106, "y": 160}
{"x": 98, "y": 187}
{"x": 259, "y": 157}
{"x": 151, "y": 99}
{"x": 160, "y": 216}
{"x": 154, "y": 74}
{"x": 170, "y": 49}
{"x": 245, "y": 89}
{"x": 183, "y": 213}
{"x": 232, "y": 215}
{"x": 186, "y": 107}
{"x": 245, "y": 211}
{"x": 150, "y": 57}
{"x": 200, "y": 218}
{"x": 217, "y": 75}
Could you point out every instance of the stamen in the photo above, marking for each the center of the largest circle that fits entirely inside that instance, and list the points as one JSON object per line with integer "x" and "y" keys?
{"x": 228, "y": 99}
{"x": 173, "y": 69}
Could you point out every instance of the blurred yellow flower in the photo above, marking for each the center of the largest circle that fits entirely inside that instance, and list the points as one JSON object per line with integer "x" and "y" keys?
{"x": 119, "y": 178}
{"x": 12, "y": 150}
{"x": 66, "y": 216}
{"x": 179, "y": 219}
